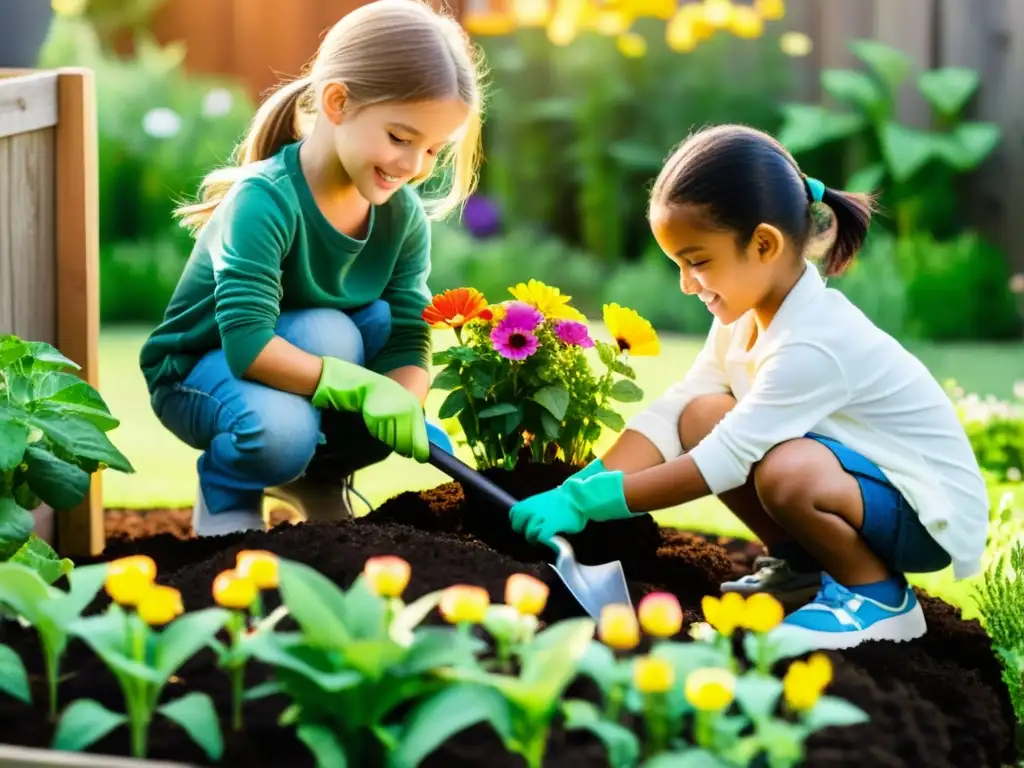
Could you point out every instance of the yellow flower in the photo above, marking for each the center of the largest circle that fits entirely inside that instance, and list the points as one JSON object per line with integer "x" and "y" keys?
{"x": 820, "y": 666}
{"x": 618, "y": 627}
{"x": 387, "y": 575}
{"x": 718, "y": 13}
{"x": 631, "y": 332}
{"x": 260, "y": 566}
{"x": 725, "y": 614}
{"x": 562, "y": 30}
{"x": 631, "y": 45}
{"x": 464, "y": 603}
{"x": 806, "y": 680}
{"x": 763, "y": 612}
{"x": 547, "y": 299}
{"x": 652, "y": 674}
{"x": 710, "y": 689}
{"x": 159, "y": 605}
{"x": 526, "y": 594}
{"x": 232, "y": 590}
{"x": 795, "y": 44}
{"x": 129, "y": 578}
{"x": 770, "y": 10}
{"x": 68, "y": 7}
{"x": 660, "y": 614}
{"x": 746, "y": 23}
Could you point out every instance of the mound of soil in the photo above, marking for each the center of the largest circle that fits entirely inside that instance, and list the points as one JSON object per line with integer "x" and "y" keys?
{"x": 937, "y": 702}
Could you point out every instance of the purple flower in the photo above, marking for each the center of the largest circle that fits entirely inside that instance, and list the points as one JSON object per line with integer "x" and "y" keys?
{"x": 574, "y": 332}
{"x": 481, "y": 217}
{"x": 521, "y": 315}
{"x": 513, "y": 342}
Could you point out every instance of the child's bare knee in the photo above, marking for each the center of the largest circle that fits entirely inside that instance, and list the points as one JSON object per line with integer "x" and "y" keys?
{"x": 701, "y": 415}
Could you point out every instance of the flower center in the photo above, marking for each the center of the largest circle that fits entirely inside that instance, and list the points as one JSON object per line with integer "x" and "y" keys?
{"x": 623, "y": 345}
{"x": 517, "y": 341}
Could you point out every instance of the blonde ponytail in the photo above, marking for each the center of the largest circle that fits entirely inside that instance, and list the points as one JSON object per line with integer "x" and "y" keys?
{"x": 275, "y": 124}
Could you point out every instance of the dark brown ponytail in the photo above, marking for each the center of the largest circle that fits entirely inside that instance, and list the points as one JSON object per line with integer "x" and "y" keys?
{"x": 853, "y": 217}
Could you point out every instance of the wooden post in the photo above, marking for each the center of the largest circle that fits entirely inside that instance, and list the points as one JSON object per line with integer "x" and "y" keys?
{"x": 79, "y": 530}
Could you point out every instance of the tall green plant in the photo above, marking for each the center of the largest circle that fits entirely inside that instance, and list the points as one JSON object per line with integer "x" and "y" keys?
{"x": 916, "y": 167}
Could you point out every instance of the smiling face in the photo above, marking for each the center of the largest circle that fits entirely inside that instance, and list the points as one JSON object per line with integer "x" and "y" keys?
{"x": 730, "y": 279}
{"x": 383, "y": 146}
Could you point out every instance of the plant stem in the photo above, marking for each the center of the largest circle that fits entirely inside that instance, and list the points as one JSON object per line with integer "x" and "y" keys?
{"x": 614, "y": 704}
{"x": 703, "y": 734}
{"x": 137, "y": 697}
{"x": 656, "y": 724}
{"x": 52, "y": 671}
{"x": 535, "y": 746}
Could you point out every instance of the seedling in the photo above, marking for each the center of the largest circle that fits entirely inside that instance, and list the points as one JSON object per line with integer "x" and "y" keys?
{"x": 51, "y": 611}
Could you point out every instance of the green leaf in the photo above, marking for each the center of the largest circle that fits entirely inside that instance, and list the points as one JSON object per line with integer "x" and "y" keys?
{"x": 46, "y": 355}
{"x": 327, "y": 750}
{"x": 454, "y": 709}
{"x": 757, "y": 694}
{"x": 500, "y": 409}
{"x": 85, "y": 582}
{"x": 84, "y": 723}
{"x": 807, "y": 127}
{"x": 195, "y": 713}
{"x": 453, "y": 404}
{"x": 436, "y": 647}
{"x": 185, "y": 636}
{"x": 636, "y": 155}
{"x": 287, "y": 650}
{"x": 890, "y": 64}
{"x": 12, "y": 349}
{"x": 610, "y": 419}
{"x": 856, "y": 88}
{"x": 315, "y": 602}
{"x": 605, "y": 351}
{"x": 58, "y": 483}
{"x": 13, "y": 442}
{"x": 13, "y": 675}
{"x": 833, "y": 711}
{"x": 80, "y": 438}
{"x": 15, "y": 528}
{"x": 39, "y": 556}
{"x": 782, "y": 642}
{"x": 412, "y": 615}
{"x": 620, "y": 743}
{"x": 867, "y": 179}
{"x": 626, "y": 391}
{"x": 23, "y": 589}
{"x": 550, "y": 664}
{"x": 975, "y": 142}
{"x": 906, "y": 151}
{"x": 552, "y": 427}
{"x": 687, "y": 758}
{"x": 364, "y": 612}
{"x": 948, "y": 89}
{"x": 448, "y": 379}
{"x": 554, "y": 399}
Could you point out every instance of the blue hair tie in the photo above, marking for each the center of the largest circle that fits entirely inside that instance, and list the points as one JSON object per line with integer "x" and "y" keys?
{"x": 816, "y": 187}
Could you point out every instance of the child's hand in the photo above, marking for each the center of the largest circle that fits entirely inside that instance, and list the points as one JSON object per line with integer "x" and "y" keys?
{"x": 392, "y": 413}
{"x": 569, "y": 507}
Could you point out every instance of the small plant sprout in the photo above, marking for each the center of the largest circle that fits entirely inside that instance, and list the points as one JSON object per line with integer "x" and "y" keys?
{"x": 49, "y": 610}
{"x": 513, "y": 624}
{"x": 388, "y": 576}
{"x": 143, "y": 659}
{"x": 709, "y": 691}
{"x": 762, "y": 613}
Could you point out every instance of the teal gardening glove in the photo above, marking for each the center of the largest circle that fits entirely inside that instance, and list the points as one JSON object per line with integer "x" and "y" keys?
{"x": 569, "y": 507}
{"x": 392, "y": 413}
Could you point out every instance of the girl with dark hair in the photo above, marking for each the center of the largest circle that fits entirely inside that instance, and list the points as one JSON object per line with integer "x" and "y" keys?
{"x": 829, "y": 440}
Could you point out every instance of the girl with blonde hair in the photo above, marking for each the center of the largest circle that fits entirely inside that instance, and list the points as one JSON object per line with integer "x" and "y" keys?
{"x": 293, "y": 351}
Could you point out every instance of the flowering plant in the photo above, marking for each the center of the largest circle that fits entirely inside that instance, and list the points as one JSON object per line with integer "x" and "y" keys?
{"x": 519, "y": 374}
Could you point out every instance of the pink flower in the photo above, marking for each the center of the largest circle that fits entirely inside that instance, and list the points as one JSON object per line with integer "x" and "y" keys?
{"x": 513, "y": 342}
{"x": 519, "y": 314}
{"x": 573, "y": 332}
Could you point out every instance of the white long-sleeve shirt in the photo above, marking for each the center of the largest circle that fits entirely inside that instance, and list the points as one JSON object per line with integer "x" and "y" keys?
{"x": 822, "y": 366}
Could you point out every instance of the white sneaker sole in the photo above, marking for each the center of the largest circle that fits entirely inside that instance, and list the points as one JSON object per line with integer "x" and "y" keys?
{"x": 899, "y": 629}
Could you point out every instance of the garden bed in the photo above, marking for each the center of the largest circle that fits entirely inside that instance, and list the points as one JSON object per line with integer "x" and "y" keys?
{"x": 938, "y": 701}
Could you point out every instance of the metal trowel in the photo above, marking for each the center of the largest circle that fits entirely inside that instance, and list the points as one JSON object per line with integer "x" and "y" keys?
{"x": 593, "y": 586}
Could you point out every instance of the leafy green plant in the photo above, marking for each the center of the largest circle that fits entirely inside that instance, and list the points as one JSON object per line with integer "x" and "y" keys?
{"x": 50, "y": 611}
{"x": 916, "y": 167}
{"x": 995, "y": 429}
{"x": 53, "y": 427}
{"x": 143, "y": 660}
{"x": 348, "y": 668}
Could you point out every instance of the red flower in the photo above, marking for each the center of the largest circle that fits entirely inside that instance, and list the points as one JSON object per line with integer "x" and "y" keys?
{"x": 456, "y": 307}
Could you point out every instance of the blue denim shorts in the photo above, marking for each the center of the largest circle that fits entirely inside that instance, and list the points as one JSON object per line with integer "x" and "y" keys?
{"x": 891, "y": 526}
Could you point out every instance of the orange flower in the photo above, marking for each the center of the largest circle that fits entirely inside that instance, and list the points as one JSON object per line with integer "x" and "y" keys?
{"x": 526, "y": 594}
{"x": 456, "y": 307}
{"x": 387, "y": 575}
{"x": 660, "y": 614}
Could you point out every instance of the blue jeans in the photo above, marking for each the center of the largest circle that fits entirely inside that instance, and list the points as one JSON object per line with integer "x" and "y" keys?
{"x": 891, "y": 526}
{"x": 255, "y": 437}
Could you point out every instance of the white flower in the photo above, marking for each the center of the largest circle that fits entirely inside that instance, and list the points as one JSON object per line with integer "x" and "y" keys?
{"x": 161, "y": 123}
{"x": 217, "y": 102}
{"x": 1018, "y": 389}
{"x": 1013, "y": 475}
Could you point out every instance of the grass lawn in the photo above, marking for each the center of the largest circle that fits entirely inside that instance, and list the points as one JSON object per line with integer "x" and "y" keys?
{"x": 165, "y": 467}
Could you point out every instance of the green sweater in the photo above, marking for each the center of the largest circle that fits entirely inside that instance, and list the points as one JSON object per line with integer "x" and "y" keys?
{"x": 268, "y": 248}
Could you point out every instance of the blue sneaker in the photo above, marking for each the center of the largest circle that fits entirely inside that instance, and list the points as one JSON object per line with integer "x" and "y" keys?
{"x": 838, "y": 618}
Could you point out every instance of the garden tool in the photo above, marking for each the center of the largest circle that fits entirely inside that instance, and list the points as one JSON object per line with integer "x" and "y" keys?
{"x": 593, "y": 586}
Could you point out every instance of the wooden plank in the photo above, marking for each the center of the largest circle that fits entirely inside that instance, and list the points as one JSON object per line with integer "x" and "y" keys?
{"x": 842, "y": 22}
{"x": 30, "y": 227}
{"x": 80, "y": 530}
{"x": 6, "y": 253}
{"x": 27, "y": 103}
{"x": 804, "y": 16}
{"x": 24, "y": 757}
{"x": 1012, "y": 160}
{"x": 909, "y": 26}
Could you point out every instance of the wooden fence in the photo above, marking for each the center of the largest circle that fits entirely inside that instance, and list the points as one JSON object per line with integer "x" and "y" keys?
{"x": 49, "y": 244}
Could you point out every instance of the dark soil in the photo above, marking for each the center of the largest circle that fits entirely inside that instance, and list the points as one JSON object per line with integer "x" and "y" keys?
{"x": 936, "y": 702}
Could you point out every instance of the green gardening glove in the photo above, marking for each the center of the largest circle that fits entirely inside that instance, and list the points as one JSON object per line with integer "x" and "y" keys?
{"x": 392, "y": 413}
{"x": 595, "y": 467}
{"x": 569, "y": 507}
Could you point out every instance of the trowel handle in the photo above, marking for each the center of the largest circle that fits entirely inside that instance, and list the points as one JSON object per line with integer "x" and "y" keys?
{"x": 468, "y": 477}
